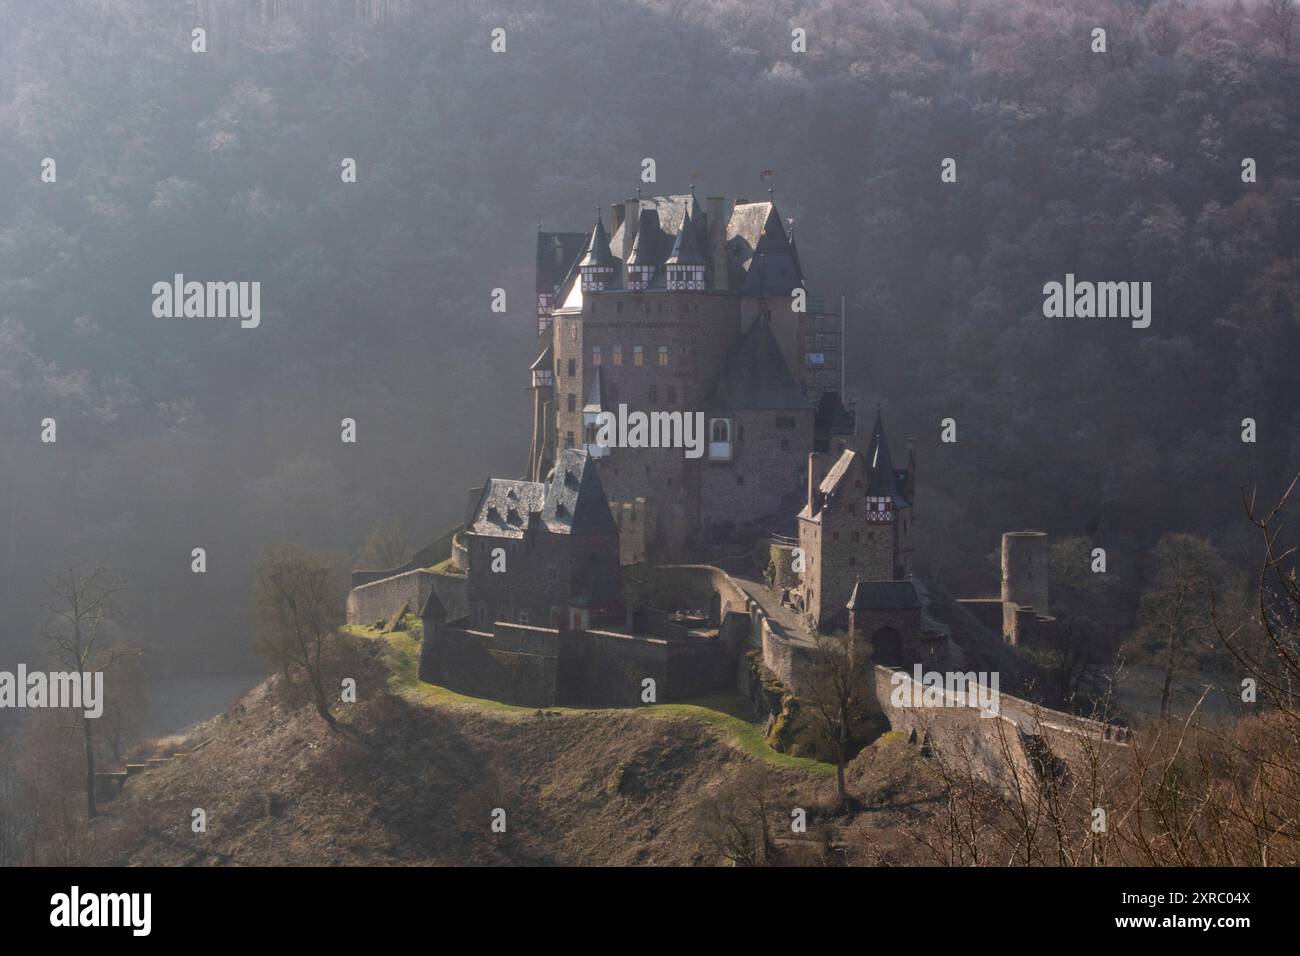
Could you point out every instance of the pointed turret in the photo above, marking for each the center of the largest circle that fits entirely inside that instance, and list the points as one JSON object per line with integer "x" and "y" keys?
{"x": 646, "y": 250}
{"x": 597, "y": 265}
{"x": 685, "y": 265}
{"x": 884, "y": 486}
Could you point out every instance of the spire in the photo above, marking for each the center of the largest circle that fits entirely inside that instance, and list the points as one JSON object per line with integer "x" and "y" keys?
{"x": 686, "y": 248}
{"x": 883, "y": 483}
{"x": 598, "y": 248}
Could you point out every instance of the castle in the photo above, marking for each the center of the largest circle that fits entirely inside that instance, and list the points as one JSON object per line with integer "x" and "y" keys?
{"x": 581, "y": 582}
{"x": 691, "y": 309}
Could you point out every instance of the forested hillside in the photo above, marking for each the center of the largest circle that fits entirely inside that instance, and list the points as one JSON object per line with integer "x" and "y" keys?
{"x": 376, "y": 295}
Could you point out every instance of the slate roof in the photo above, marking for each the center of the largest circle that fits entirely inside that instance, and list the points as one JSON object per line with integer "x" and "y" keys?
{"x": 835, "y": 477}
{"x": 433, "y": 607}
{"x": 762, "y": 260}
{"x": 756, "y": 374}
{"x": 832, "y": 417}
{"x": 686, "y": 247}
{"x": 505, "y": 507}
{"x": 883, "y": 596}
{"x": 885, "y": 479}
{"x": 650, "y": 241}
{"x": 597, "y": 252}
{"x": 557, "y": 254}
{"x": 570, "y": 501}
{"x": 575, "y": 499}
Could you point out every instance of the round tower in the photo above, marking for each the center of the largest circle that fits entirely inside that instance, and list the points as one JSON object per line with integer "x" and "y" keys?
{"x": 1024, "y": 569}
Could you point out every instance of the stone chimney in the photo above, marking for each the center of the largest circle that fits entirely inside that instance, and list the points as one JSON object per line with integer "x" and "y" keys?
{"x": 631, "y": 219}
{"x": 813, "y": 477}
{"x": 715, "y": 209}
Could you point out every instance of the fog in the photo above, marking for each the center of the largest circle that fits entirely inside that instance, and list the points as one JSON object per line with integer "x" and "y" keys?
{"x": 175, "y": 434}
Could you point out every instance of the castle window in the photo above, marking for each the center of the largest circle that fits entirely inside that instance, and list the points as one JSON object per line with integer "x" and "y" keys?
{"x": 853, "y": 509}
{"x": 740, "y": 479}
{"x": 573, "y": 368}
{"x": 595, "y": 355}
{"x": 720, "y": 439}
{"x": 663, "y": 355}
{"x": 568, "y": 439}
{"x": 654, "y": 393}
{"x": 853, "y": 559}
{"x": 573, "y": 402}
{"x": 552, "y": 574}
{"x": 638, "y": 355}
{"x": 616, "y": 352}
{"x": 481, "y": 614}
{"x": 672, "y": 394}
{"x": 618, "y": 308}
{"x": 856, "y": 537}
{"x": 785, "y": 444}
{"x": 835, "y": 536}
{"x": 785, "y": 421}
{"x": 523, "y": 617}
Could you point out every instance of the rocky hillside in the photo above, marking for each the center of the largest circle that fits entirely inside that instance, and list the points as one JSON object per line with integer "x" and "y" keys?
{"x": 417, "y": 772}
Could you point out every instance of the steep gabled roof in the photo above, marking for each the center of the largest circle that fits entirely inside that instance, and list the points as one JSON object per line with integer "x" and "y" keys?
{"x": 839, "y": 471}
{"x": 433, "y": 607}
{"x": 832, "y": 417}
{"x": 686, "y": 247}
{"x": 650, "y": 242}
{"x": 763, "y": 259}
{"x": 505, "y": 506}
{"x": 884, "y": 479}
{"x": 597, "y": 253}
{"x": 756, "y": 374}
{"x": 557, "y": 252}
{"x": 575, "y": 499}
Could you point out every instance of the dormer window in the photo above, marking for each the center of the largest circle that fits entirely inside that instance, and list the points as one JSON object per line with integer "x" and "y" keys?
{"x": 638, "y": 277}
{"x": 686, "y": 277}
{"x": 720, "y": 439}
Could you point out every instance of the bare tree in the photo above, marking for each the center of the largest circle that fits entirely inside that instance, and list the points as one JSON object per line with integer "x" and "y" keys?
{"x": 838, "y": 692}
{"x": 299, "y": 612}
{"x": 736, "y": 821}
{"x": 83, "y": 641}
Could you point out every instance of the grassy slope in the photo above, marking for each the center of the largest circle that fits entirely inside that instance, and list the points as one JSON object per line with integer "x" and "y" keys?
{"x": 417, "y": 775}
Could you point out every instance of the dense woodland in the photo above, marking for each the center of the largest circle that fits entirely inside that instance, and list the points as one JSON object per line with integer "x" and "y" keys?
{"x": 376, "y": 295}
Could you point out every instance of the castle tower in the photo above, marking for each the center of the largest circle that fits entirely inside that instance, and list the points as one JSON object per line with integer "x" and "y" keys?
{"x": 596, "y": 267}
{"x": 685, "y": 265}
{"x": 1024, "y": 570}
{"x": 856, "y": 524}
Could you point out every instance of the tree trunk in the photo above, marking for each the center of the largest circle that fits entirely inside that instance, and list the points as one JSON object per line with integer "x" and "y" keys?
{"x": 88, "y": 736}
